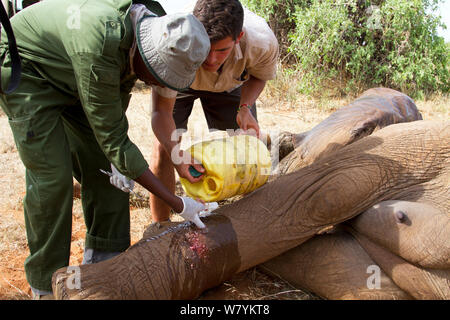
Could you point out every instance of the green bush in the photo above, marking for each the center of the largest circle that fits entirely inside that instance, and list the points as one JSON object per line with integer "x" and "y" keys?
{"x": 355, "y": 45}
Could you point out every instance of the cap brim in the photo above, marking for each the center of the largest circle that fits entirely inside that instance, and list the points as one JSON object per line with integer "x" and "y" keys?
{"x": 160, "y": 70}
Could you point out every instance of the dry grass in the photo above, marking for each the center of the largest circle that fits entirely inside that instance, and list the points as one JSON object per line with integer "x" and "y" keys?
{"x": 296, "y": 114}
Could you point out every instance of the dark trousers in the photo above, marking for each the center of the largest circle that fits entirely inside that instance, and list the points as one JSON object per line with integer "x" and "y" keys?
{"x": 220, "y": 108}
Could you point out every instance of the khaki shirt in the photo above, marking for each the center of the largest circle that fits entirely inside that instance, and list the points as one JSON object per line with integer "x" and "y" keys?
{"x": 256, "y": 54}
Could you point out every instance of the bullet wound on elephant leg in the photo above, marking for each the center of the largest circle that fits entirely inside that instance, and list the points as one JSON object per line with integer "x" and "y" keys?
{"x": 197, "y": 244}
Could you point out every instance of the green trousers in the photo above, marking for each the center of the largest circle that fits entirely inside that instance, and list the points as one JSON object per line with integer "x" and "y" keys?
{"x": 56, "y": 143}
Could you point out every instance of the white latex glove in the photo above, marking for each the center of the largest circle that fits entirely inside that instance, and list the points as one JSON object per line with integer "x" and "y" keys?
{"x": 119, "y": 181}
{"x": 209, "y": 208}
{"x": 191, "y": 209}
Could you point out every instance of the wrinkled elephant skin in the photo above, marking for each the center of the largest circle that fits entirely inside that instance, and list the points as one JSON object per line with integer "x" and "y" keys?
{"x": 334, "y": 266}
{"x": 182, "y": 262}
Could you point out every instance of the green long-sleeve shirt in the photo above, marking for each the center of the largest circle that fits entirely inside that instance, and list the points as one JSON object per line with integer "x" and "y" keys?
{"x": 82, "y": 48}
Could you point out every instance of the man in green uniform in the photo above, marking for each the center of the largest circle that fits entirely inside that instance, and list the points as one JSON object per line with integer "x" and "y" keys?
{"x": 80, "y": 60}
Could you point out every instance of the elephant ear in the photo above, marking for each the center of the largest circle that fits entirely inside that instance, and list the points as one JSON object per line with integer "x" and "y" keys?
{"x": 384, "y": 107}
{"x": 375, "y": 109}
{"x": 407, "y": 108}
{"x": 402, "y": 109}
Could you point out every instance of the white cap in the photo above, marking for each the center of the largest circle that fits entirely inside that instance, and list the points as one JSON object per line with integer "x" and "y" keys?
{"x": 173, "y": 47}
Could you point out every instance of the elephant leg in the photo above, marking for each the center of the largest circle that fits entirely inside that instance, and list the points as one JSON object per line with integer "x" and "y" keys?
{"x": 333, "y": 266}
{"x": 419, "y": 282}
{"x": 417, "y": 232}
{"x": 172, "y": 261}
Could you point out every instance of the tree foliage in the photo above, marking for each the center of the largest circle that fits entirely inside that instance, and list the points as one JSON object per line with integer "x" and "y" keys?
{"x": 360, "y": 43}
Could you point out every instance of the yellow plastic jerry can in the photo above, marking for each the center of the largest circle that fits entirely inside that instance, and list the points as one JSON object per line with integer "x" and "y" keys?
{"x": 234, "y": 165}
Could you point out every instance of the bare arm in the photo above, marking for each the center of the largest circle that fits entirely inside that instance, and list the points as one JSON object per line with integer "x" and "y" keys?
{"x": 163, "y": 124}
{"x": 155, "y": 186}
{"x": 251, "y": 89}
{"x": 164, "y": 127}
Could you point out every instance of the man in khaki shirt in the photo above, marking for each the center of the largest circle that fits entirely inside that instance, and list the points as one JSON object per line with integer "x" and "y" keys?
{"x": 242, "y": 58}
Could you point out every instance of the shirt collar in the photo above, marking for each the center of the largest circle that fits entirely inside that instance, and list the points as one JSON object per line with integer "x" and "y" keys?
{"x": 237, "y": 52}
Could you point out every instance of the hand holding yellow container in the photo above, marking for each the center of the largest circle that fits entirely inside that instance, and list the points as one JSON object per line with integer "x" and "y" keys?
{"x": 234, "y": 165}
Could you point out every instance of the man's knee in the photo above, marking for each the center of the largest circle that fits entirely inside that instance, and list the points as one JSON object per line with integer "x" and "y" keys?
{"x": 160, "y": 157}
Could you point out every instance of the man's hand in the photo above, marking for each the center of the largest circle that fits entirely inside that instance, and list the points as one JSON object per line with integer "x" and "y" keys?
{"x": 191, "y": 209}
{"x": 183, "y": 169}
{"x": 247, "y": 122}
{"x": 119, "y": 181}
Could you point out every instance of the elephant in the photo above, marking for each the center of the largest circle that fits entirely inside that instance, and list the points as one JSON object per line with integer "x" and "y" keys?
{"x": 372, "y": 178}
